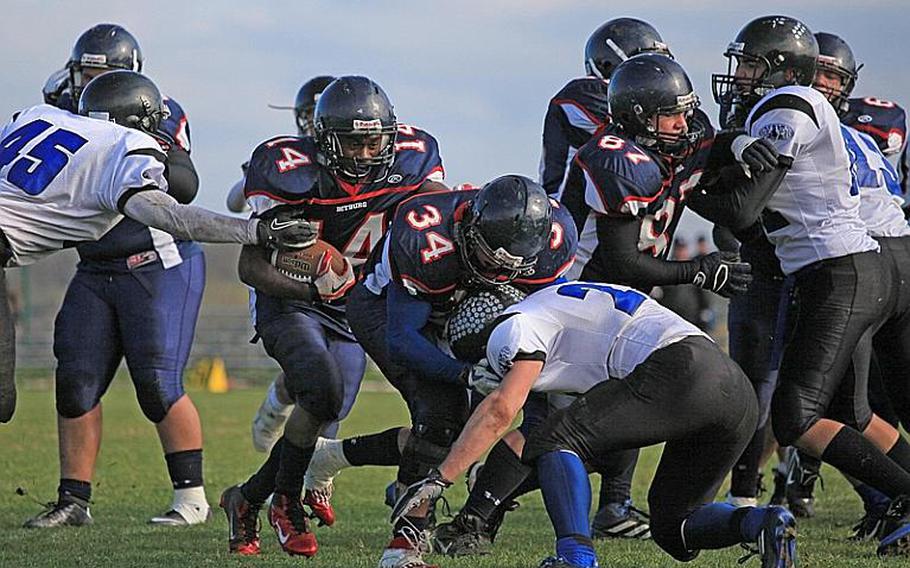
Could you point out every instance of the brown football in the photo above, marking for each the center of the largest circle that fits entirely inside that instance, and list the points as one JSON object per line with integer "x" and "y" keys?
{"x": 305, "y": 265}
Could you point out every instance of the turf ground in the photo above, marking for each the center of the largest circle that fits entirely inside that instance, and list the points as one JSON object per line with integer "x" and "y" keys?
{"x": 131, "y": 485}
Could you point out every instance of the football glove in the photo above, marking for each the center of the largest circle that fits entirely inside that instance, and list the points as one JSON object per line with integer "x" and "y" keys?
{"x": 481, "y": 378}
{"x": 427, "y": 490}
{"x": 285, "y": 228}
{"x": 722, "y": 273}
{"x": 332, "y": 286}
{"x": 758, "y": 154}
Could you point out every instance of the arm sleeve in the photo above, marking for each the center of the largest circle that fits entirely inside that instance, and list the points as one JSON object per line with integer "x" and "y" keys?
{"x": 161, "y": 211}
{"x": 622, "y": 262}
{"x": 182, "y": 180}
{"x": 407, "y": 316}
{"x": 739, "y": 204}
{"x": 236, "y": 200}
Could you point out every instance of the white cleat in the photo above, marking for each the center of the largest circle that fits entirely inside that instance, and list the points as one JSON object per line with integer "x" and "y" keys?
{"x": 406, "y": 551}
{"x": 268, "y": 425}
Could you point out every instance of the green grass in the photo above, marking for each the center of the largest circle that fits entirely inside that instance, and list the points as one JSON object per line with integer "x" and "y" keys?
{"x": 131, "y": 485}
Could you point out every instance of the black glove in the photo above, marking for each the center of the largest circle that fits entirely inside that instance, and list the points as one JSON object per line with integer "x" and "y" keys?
{"x": 722, "y": 273}
{"x": 757, "y": 153}
{"x": 286, "y": 228}
{"x": 424, "y": 491}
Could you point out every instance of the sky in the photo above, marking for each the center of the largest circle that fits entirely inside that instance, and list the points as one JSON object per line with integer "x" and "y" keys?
{"x": 476, "y": 74}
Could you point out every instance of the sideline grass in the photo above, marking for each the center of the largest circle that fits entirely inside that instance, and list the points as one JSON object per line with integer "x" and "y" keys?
{"x": 131, "y": 485}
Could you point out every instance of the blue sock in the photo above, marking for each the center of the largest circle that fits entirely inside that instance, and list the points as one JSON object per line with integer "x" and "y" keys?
{"x": 567, "y": 496}
{"x": 874, "y": 501}
{"x": 719, "y": 525}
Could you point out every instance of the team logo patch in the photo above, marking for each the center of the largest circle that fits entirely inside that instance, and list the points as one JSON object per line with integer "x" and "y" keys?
{"x": 504, "y": 358}
{"x": 776, "y": 131}
{"x": 395, "y": 178}
{"x": 864, "y": 118}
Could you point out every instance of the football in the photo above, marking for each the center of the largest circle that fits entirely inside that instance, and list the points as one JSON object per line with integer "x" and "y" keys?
{"x": 305, "y": 265}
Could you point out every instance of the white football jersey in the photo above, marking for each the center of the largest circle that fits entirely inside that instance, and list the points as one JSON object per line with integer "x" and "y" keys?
{"x": 814, "y": 214}
{"x": 879, "y": 207}
{"x": 585, "y": 333}
{"x": 63, "y": 177}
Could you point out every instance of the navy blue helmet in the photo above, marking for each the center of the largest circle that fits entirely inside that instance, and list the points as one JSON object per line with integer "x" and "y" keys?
{"x": 124, "y": 97}
{"x": 105, "y": 46}
{"x": 355, "y": 107}
{"x": 644, "y": 88}
{"x": 305, "y": 103}
{"x": 835, "y": 56}
{"x": 617, "y": 40}
{"x": 501, "y": 234}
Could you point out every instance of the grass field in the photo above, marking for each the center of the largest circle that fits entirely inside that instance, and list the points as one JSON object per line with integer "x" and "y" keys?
{"x": 131, "y": 485}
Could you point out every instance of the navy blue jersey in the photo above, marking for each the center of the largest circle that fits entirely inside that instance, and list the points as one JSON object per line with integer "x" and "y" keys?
{"x": 613, "y": 176}
{"x": 421, "y": 253}
{"x": 886, "y": 123}
{"x": 352, "y": 217}
{"x": 130, "y": 245}
{"x": 577, "y": 111}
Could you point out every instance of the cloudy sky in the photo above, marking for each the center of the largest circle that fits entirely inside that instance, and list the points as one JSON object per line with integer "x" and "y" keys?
{"x": 477, "y": 74}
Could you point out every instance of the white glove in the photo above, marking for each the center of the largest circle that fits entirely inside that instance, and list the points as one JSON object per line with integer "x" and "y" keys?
{"x": 482, "y": 379}
{"x": 332, "y": 285}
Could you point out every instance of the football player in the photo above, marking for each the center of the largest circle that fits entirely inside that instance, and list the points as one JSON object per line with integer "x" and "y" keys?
{"x": 347, "y": 180}
{"x": 813, "y": 220}
{"x": 438, "y": 246}
{"x": 134, "y": 277}
{"x": 646, "y": 376}
{"x": 113, "y": 168}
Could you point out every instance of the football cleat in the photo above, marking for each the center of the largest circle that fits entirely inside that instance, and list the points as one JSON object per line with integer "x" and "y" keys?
{"x": 268, "y": 424}
{"x": 466, "y": 535}
{"x": 777, "y": 539}
{"x": 391, "y": 494}
{"x": 72, "y": 513}
{"x": 559, "y": 562}
{"x": 896, "y": 528}
{"x": 243, "y": 522}
{"x": 183, "y": 515}
{"x": 867, "y": 528}
{"x": 287, "y": 517}
{"x": 621, "y": 520}
{"x": 406, "y": 550}
{"x": 319, "y": 502}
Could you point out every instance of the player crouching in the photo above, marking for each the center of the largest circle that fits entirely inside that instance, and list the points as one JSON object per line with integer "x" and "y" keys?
{"x": 648, "y": 377}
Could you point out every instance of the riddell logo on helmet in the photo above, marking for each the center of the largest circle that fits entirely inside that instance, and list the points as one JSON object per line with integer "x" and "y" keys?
{"x": 375, "y": 124}
{"x": 93, "y": 60}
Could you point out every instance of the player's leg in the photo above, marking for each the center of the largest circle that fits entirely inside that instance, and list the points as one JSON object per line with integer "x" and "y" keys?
{"x": 7, "y": 345}
{"x": 88, "y": 351}
{"x": 268, "y": 424}
{"x": 164, "y": 305}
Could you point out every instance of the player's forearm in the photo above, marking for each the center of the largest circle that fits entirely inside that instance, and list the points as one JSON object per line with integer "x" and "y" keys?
{"x": 618, "y": 260}
{"x": 161, "y": 211}
{"x": 256, "y": 271}
{"x": 488, "y": 423}
{"x": 741, "y": 205}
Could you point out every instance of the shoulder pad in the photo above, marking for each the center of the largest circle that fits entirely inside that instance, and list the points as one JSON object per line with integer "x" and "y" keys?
{"x": 588, "y": 95}
{"x": 283, "y": 169}
{"x": 176, "y": 127}
{"x": 416, "y": 157}
{"x": 557, "y": 258}
{"x": 885, "y": 121}
{"x": 620, "y": 169}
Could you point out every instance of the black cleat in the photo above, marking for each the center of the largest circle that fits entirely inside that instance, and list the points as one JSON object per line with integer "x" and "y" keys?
{"x": 896, "y": 528}
{"x": 466, "y": 535}
{"x": 72, "y": 513}
{"x": 621, "y": 520}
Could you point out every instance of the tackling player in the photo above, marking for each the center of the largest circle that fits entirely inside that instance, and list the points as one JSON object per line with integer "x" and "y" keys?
{"x": 645, "y": 376}
{"x": 347, "y": 180}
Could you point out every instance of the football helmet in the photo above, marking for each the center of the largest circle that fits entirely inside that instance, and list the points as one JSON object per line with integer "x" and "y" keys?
{"x": 617, "y": 40}
{"x": 105, "y": 46}
{"x": 355, "y": 107}
{"x": 306, "y": 100}
{"x": 126, "y": 98}
{"x": 769, "y": 52}
{"x": 502, "y": 231}
{"x": 835, "y": 56}
{"x": 644, "y": 88}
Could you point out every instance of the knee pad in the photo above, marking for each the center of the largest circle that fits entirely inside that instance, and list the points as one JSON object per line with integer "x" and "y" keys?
{"x": 157, "y": 392}
{"x": 321, "y": 398}
{"x": 426, "y": 448}
{"x": 75, "y": 396}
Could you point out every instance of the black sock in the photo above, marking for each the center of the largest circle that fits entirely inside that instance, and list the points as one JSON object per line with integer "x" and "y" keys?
{"x": 854, "y": 455}
{"x": 185, "y": 468}
{"x": 74, "y": 489}
{"x": 262, "y": 483}
{"x": 616, "y": 479}
{"x": 294, "y": 461}
{"x": 373, "y": 449}
{"x": 900, "y": 453}
{"x": 744, "y": 478}
{"x": 502, "y": 473}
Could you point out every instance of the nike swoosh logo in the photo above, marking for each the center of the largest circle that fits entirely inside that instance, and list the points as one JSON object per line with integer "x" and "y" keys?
{"x": 276, "y": 226}
{"x": 282, "y": 538}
